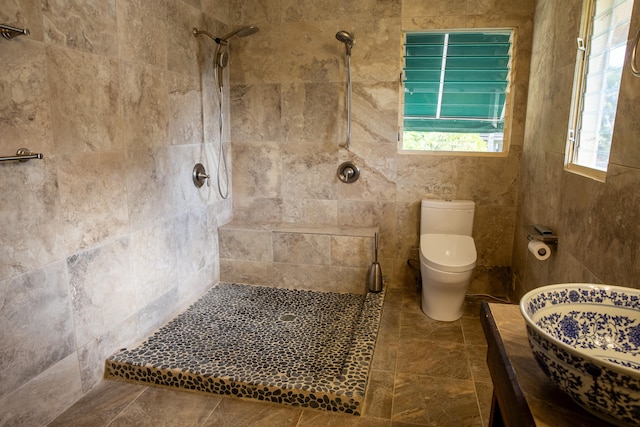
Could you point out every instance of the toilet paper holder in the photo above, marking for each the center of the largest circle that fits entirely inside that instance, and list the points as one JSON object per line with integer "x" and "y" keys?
{"x": 542, "y": 233}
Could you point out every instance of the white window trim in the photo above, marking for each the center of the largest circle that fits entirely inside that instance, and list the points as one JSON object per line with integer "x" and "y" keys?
{"x": 577, "y": 96}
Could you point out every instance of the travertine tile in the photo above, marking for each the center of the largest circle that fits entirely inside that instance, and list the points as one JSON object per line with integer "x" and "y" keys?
{"x": 94, "y": 274}
{"x": 256, "y": 112}
{"x": 100, "y": 406}
{"x": 262, "y": 170}
{"x": 379, "y": 395}
{"x": 299, "y": 276}
{"x": 36, "y": 324}
{"x": 299, "y": 248}
{"x": 312, "y": 418}
{"x": 219, "y": 8}
{"x": 310, "y": 211}
{"x": 493, "y": 229}
{"x": 149, "y": 183}
{"x": 143, "y": 106}
{"x": 86, "y": 92}
{"x": 232, "y": 412}
{"x": 478, "y": 363}
{"x": 418, "y": 326}
{"x": 445, "y": 359}
{"x": 375, "y": 112}
{"x": 371, "y": 187}
{"x": 24, "y": 14}
{"x": 523, "y": 7}
{"x": 347, "y": 251}
{"x": 181, "y": 43}
{"x": 425, "y": 400}
{"x": 364, "y": 9}
{"x": 308, "y": 10}
{"x": 254, "y": 272}
{"x": 347, "y": 279}
{"x": 250, "y": 245}
{"x": 142, "y": 31}
{"x": 434, "y": 8}
{"x": 386, "y": 354}
{"x": 592, "y": 231}
{"x": 624, "y": 149}
{"x": 257, "y": 209}
{"x": 376, "y": 55}
{"x": 93, "y": 193}
{"x": 154, "y": 260}
{"x": 310, "y": 176}
{"x": 254, "y": 11}
{"x": 185, "y": 195}
{"x": 484, "y": 392}
{"x": 24, "y": 104}
{"x": 30, "y": 216}
{"x": 312, "y": 113}
{"x": 89, "y": 27}
{"x": 427, "y": 177}
{"x": 167, "y": 407}
{"x": 258, "y": 59}
{"x": 48, "y": 394}
{"x": 498, "y": 186}
{"x": 472, "y": 329}
{"x": 306, "y": 53}
{"x": 195, "y": 246}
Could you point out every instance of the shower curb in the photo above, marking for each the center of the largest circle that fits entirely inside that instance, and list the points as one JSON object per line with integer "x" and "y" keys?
{"x": 344, "y": 394}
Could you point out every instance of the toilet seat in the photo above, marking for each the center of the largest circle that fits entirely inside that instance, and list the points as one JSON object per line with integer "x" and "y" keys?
{"x": 451, "y": 253}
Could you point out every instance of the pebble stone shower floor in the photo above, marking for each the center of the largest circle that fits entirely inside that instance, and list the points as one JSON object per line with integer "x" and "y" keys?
{"x": 296, "y": 347}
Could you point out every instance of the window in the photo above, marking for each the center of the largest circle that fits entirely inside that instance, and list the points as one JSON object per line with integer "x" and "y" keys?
{"x": 600, "y": 58}
{"x": 456, "y": 90}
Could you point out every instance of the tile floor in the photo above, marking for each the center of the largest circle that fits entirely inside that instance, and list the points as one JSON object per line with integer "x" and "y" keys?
{"x": 424, "y": 373}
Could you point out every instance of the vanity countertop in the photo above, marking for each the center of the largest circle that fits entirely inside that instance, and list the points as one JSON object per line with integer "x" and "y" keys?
{"x": 522, "y": 393}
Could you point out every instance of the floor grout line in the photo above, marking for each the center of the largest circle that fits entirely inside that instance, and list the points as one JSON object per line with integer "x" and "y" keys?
{"x": 127, "y": 406}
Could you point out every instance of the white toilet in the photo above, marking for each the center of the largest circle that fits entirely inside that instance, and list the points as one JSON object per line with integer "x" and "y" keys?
{"x": 447, "y": 256}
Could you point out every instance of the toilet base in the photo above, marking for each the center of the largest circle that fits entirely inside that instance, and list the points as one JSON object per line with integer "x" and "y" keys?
{"x": 443, "y": 293}
{"x": 443, "y": 308}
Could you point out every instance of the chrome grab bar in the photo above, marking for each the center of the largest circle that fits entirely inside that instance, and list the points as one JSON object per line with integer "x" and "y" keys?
{"x": 634, "y": 66}
{"x": 22, "y": 155}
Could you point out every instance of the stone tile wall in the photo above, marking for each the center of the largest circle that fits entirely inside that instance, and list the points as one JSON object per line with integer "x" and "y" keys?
{"x": 106, "y": 238}
{"x": 315, "y": 258}
{"x": 598, "y": 224}
{"x": 289, "y": 121}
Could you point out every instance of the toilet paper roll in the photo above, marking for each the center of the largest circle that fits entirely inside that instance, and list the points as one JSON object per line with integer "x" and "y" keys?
{"x": 539, "y": 249}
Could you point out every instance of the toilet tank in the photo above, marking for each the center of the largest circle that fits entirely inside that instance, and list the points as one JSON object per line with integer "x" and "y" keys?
{"x": 447, "y": 217}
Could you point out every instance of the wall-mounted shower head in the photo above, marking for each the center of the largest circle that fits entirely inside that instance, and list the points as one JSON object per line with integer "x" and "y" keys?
{"x": 347, "y": 38}
{"x": 240, "y": 32}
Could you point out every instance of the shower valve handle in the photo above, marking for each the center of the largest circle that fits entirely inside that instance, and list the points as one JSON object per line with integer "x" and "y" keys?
{"x": 200, "y": 175}
{"x": 348, "y": 172}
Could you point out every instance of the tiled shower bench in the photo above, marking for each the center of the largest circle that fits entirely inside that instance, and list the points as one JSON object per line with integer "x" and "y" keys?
{"x": 325, "y": 258}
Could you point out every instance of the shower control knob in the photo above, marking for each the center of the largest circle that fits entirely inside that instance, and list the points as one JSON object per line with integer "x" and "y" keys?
{"x": 348, "y": 172}
{"x": 199, "y": 175}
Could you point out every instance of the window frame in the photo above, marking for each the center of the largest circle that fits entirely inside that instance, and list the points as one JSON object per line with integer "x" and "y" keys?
{"x": 574, "y": 128}
{"x": 509, "y": 92}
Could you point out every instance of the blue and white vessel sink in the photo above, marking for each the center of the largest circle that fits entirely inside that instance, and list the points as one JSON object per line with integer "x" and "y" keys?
{"x": 586, "y": 338}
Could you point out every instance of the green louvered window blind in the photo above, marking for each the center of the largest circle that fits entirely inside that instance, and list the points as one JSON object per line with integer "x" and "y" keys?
{"x": 457, "y": 82}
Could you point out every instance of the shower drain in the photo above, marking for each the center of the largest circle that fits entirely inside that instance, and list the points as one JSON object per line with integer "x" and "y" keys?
{"x": 288, "y": 317}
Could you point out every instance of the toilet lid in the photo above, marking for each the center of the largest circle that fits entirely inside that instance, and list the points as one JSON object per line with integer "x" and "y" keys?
{"x": 448, "y": 252}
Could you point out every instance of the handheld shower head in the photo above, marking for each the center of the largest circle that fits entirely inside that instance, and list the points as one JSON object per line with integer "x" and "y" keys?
{"x": 347, "y": 38}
